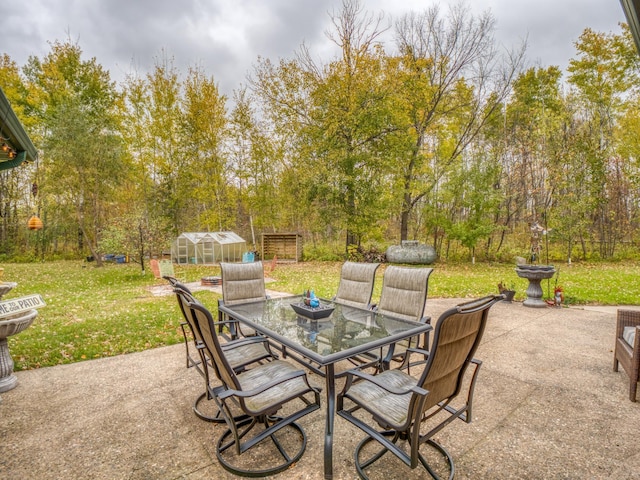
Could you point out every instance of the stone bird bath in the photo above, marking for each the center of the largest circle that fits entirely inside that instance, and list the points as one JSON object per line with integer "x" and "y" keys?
{"x": 11, "y": 324}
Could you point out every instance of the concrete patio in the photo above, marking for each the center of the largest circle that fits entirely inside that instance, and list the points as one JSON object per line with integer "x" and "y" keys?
{"x": 548, "y": 406}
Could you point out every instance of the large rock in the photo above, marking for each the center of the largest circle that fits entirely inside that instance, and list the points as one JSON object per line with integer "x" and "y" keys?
{"x": 412, "y": 252}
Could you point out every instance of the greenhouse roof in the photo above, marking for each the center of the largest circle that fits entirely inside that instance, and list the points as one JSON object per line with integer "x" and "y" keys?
{"x": 219, "y": 237}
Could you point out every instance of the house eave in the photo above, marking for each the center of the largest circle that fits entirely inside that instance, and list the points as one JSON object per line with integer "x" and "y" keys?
{"x": 14, "y": 135}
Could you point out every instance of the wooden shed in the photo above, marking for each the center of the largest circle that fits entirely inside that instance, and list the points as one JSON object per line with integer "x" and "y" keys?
{"x": 286, "y": 246}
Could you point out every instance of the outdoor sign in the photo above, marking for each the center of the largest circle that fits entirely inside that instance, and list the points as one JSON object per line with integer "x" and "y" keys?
{"x": 17, "y": 305}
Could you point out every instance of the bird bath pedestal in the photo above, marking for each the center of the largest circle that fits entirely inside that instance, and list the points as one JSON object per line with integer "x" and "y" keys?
{"x": 535, "y": 274}
{"x": 15, "y": 316}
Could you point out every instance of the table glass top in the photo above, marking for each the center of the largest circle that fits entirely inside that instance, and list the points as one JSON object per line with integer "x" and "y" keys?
{"x": 346, "y": 330}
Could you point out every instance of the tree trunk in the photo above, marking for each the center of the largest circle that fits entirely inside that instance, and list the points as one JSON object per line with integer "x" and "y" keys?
{"x": 404, "y": 219}
{"x": 352, "y": 239}
{"x": 93, "y": 250}
{"x": 406, "y": 199}
{"x": 141, "y": 232}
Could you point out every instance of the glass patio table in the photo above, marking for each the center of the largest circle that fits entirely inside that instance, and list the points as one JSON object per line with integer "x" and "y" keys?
{"x": 320, "y": 344}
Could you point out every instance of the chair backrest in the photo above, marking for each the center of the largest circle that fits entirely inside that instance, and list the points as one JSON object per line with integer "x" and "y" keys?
{"x": 184, "y": 299}
{"x": 155, "y": 267}
{"x": 166, "y": 268}
{"x": 177, "y": 284}
{"x": 356, "y": 284}
{"x": 457, "y": 336}
{"x": 242, "y": 282}
{"x": 206, "y": 327}
{"x": 404, "y": 292}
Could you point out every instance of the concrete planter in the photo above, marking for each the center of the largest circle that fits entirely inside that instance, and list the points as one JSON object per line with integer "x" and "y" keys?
{"x": 508, "y": 295}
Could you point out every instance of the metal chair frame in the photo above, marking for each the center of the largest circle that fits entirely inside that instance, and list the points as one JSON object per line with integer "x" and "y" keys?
{"x": 184, "y": 324}
{"x": 259, "y": 394}
{"x": 244, "y": 352}
{"x": 400, "y": 403}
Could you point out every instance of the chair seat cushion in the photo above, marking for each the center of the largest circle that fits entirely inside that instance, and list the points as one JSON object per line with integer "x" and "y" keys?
{"x": 246, "y": 331}
{"x": 241, "y": 355}
{"x": 629, "y": 335}
{"x": 273, "y": 397}
{"x": 387, "y": 406}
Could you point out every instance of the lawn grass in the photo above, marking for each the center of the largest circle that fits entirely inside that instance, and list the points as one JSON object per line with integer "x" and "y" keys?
{"x": 99, "y": 312}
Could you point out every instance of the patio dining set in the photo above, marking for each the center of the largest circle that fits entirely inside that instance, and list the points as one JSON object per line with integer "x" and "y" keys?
{"x": 402, "y": 377}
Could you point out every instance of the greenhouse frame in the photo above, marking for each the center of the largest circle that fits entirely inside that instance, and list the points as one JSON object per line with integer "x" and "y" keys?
{"x": 207, "y": 248}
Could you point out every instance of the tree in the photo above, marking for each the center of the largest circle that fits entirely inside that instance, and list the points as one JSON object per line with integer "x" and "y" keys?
{"x": 256, "y": 167}
{"x": 349, "y": 122}
{"x": 84, "y": 154}
{"x": 337, "y": 117}
{"x": 533, "y": 118}
{"x": 449, "y": 71}
{"x": 474, "y": 205}
{"x": 133, "y": 233}
{"x": 628, "y": 140}
{"x": 204, "y": 172}
{"x": 603, "y": 75}
{"x": 166, "y": 156}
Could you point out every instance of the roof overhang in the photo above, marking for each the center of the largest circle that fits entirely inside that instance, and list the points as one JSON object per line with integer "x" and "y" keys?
{"x": 632, "y": 12}
{"x": 14, "y": 137}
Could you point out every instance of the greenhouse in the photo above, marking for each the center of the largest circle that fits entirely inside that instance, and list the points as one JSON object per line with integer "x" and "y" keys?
{"x": 207, "y": 248}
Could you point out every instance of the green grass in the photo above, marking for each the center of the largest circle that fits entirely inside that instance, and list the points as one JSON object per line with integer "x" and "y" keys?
{"x": 99, "y": 312}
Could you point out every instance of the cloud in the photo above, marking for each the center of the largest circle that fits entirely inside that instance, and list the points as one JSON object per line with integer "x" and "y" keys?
{"x": 225, "y": 37}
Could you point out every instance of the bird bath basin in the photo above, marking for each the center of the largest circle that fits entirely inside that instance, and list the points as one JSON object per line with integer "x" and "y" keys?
{"x": 535, "y": 274}
{"x": 11, "y": 324}
{"x": 6, "y": 287}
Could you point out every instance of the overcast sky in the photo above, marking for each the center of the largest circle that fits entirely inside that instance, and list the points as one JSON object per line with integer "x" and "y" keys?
{"x": 225, "y": 37}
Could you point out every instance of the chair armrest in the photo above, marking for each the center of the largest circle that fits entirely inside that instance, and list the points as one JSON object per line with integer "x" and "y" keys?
{"x": 222, "y": 323}
{"x": 421, "y": 351}
{"x": 626, "y": 318}
{"x": 262, "y": 388}
{"x": 240, "y": 342}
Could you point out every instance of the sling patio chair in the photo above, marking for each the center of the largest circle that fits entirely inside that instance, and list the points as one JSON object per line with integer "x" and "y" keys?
{"x": 241, "y": 283}
{"x": 356, "y": 284}
{"x": 240, "y": 353}
{"x": 404, "y": 296}
{"x": 155, "y": 267}
{"x": 184, "y": 324}
{"x": 627, "y": 347}
{"x": 250, "y": 401}
{"x": 355, "y": 289}
{"x": 400, "y": 403}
